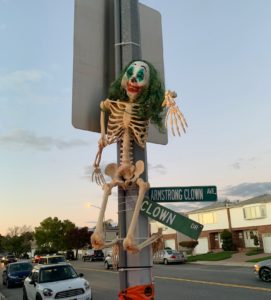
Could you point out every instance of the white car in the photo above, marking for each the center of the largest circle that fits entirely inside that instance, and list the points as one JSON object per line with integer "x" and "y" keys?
{"x": 56, "y": 281}
{"x": 167, "y": 256}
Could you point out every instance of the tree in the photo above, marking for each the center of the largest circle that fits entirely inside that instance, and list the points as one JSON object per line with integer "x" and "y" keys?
{"x": 18, "y": 240}
{"x": 227, "y": 242}
{"x": 1, "y": 243}
{"x": 17, "y": 230}
{"x": 51, "y": 235}
{"x": 78, "y": 238}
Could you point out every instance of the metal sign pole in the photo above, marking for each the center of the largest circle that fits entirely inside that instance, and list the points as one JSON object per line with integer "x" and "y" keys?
{"x": 134, "y": 269}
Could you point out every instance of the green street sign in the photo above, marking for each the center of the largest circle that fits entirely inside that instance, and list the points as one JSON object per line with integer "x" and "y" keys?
{"x": 183, "y": 194}
{"x": 171, "y": 219}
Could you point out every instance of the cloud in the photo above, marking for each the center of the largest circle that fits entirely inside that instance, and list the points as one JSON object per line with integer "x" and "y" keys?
{"x": 21, "y": 138}
{"x": 17, "y": 79}
{"x": 248, "y": 189}
{"x": 236, "y": 165}
{"x": 244, "y": 162}
{"x": 159, "y": 168}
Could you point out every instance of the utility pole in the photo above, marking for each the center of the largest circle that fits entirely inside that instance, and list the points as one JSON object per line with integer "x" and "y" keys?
{"x": 134, "y": 269}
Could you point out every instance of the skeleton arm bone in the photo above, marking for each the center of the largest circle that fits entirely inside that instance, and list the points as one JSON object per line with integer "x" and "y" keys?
{"x": 97, "y": 174}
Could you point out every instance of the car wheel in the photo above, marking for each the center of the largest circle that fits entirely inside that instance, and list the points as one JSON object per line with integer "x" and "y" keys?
{"x": 24, "y": 294}
{"x": 165, "y": 262}
{"x": 265, "y": 274}
{"x": 38, "y": 297}
{"x": 106, "y": 265}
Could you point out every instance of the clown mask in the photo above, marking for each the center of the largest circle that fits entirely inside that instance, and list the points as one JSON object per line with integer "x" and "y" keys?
{"x": 135, "y": 79}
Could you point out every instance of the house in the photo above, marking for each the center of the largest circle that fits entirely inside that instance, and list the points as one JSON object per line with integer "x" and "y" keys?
{"x": 245, "y": 219}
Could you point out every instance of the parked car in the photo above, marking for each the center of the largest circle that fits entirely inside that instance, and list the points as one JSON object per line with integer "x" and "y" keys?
{"x": 93, "y": 255}
{"x": 51, "y": 259}
{"x": 8, "y": 259}
{"x": 24, "y": 256}
{"x": 263, "y": 270}
{"x": 15, "y": 273}
{"x": 58, "y": 281}
{"x": 167, "y": 256}
{"x": 36, "y": 258}
{"x": 70, "y": 255}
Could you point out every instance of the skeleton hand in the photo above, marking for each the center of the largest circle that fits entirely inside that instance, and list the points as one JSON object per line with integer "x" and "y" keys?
{"x": 97, "y": 173}
{"x": 174, "y": 113}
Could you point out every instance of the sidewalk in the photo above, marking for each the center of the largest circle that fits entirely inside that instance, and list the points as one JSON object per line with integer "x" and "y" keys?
{"x": 238, "y": 259}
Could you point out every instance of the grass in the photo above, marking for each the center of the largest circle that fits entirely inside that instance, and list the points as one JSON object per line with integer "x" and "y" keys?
{"x": 254, "y": 251}
{"x": 211, "y": 256}
{"x": 259, "y": 259}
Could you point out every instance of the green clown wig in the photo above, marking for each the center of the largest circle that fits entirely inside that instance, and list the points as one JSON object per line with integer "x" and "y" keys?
{"x": 150, "y": 99}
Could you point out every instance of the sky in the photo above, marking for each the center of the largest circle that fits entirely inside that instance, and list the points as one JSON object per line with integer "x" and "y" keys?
{"x": 216, "y": 57}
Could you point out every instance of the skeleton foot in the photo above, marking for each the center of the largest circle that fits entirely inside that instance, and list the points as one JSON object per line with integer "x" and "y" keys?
{"x": 129, "y": 245}
{"x": 97, "y": 240}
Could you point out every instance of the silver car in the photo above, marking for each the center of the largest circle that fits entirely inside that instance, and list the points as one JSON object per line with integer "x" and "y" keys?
{"x": 263, "y": 270}
{"x": 167, "y": 256}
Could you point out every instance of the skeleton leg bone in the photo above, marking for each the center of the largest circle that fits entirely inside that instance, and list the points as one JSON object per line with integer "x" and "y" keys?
{"x": 129, "y": 243}
{"x": 97, "y": 238}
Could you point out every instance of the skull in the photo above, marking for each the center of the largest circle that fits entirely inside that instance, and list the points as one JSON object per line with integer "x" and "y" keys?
{"x": 135, "y": 79}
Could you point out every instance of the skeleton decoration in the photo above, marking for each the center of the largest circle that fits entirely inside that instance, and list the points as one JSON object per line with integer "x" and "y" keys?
{"x": 173, "y": 113}
{"x": 135, "y": 99}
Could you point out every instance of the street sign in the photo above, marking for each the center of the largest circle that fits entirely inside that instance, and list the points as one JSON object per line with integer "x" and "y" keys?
{"x": 171, "y": 219}
{"x": 183, "y": 194}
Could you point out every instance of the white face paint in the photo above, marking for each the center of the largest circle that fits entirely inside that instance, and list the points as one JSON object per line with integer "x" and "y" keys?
{"x": 135, "y": 78}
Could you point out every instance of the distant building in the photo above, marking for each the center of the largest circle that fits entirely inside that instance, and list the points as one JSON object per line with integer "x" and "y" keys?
{"x": 244, "y": 219}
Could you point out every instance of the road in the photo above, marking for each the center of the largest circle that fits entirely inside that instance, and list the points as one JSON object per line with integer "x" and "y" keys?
{"x": 185, "y": 281}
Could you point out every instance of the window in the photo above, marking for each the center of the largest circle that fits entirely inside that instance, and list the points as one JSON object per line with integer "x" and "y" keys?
{"x": 254, "y": 212}
{"x": 208, "y": 218}
{"x": 35, "y": 276}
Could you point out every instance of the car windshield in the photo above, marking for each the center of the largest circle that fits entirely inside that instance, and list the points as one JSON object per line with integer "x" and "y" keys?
{"x": 20, "y": 267}
{"x": 57, "y": 273}
{"x": 169, "y": 251}
{"x": 55, "y": 260}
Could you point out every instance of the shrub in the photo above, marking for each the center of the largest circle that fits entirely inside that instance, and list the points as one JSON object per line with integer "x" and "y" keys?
{"x": 189, "y": 244}
{"x": 256, "y": 240}
{"x": 227, "y": 242}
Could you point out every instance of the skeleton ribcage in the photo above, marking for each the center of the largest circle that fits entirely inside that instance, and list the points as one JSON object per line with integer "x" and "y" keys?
{"x": 124, "y": 118}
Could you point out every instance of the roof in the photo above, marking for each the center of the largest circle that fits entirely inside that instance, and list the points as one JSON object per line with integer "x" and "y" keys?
{"x": 229, "y": 204}
{"x": 49, "y": 266}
